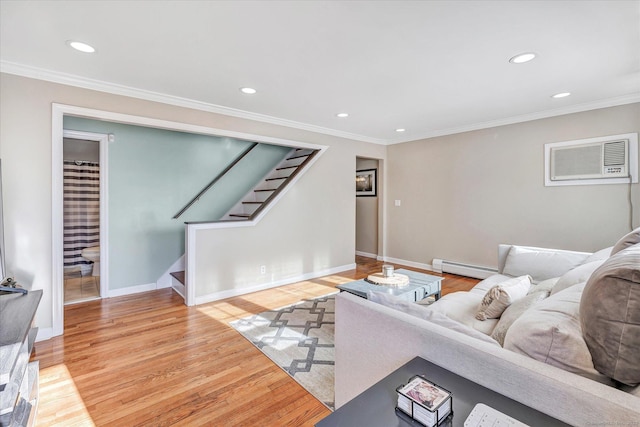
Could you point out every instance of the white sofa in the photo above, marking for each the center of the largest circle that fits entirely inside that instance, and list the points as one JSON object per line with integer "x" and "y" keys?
{"x": 373, "y": 339}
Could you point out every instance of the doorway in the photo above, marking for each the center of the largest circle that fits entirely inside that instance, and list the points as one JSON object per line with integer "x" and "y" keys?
{"x": 367, "y": 211}
{"x": 84, "y": 211}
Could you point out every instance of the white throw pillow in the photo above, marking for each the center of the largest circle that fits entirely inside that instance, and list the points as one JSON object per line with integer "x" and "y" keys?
{"x": 503, "y": 295}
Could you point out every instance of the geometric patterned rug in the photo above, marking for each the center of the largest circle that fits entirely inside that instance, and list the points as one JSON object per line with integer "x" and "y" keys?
{"x": 299, "y": 339}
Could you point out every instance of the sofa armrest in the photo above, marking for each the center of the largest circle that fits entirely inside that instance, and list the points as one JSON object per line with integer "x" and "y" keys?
{"x": 373, "y": 340}
{"x": 576, "y": 257}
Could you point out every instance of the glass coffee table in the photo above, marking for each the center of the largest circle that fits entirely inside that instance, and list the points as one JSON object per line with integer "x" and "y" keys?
{"x": 420, "y": 286}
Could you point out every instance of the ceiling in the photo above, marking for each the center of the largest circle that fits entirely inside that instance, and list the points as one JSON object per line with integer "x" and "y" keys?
{"x": 430, "y": 67}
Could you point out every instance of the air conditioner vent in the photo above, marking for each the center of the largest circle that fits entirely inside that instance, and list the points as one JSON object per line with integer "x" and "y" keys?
{"x": 614, "y": 153}
{"x": 601, "y": 160}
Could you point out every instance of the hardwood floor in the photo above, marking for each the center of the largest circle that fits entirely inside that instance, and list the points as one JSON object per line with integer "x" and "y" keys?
{"x": 149, "y": 360}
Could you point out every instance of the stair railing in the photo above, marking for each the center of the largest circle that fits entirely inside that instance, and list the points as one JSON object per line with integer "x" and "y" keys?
{"x": 216, "y": 179}
{"x": 273, "y": 195}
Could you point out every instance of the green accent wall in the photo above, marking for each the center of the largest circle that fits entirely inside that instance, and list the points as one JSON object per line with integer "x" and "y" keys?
{"x": 153, "y": 173}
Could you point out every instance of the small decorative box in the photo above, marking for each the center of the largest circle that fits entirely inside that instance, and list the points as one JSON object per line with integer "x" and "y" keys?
{"x": 424, "y": 401}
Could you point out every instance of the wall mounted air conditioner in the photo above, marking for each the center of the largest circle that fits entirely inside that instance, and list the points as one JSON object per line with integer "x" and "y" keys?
{"x": 604, "y": 160}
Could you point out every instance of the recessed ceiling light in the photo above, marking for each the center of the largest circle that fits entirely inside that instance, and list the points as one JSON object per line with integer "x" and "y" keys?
{"x": 400, "y": 130}
{"x": 522, "y": 58}
{"x": 342, "y": 115}
{"x": 248, "y": 90}
{"x": 82, "y": 47}
{"x": 561, "y": 95}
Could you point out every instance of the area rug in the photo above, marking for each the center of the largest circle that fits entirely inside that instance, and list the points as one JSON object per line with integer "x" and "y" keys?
{"x": 299, "y": 339}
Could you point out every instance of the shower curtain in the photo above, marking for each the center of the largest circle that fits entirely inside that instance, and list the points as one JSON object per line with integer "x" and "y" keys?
{"x": 81, "y": 213}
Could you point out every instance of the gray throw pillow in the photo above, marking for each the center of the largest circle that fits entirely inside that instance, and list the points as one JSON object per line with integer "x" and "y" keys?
{"x": 610, "y": 315}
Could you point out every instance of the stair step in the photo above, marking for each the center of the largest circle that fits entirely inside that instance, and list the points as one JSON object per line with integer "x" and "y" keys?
{"x": 298, "y": 157}
{"x": 252, "y": 203}
{"x": 275, "y": 179}
{"x": 240, "y": 215}
{"x": 180, "y": 276}
{"x": 269, "y": 189}
{"x": 287, "y": 167}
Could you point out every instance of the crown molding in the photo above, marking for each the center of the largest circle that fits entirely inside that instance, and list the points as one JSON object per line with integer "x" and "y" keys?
{"x": 578, "y": 108}
{"x": 116, "y": 89}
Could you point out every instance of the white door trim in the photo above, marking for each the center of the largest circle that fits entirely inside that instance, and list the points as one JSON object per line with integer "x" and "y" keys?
{"x": 103, "y": 140}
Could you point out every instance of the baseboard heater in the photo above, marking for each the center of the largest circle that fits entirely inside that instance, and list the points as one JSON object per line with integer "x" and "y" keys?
{"x": 453, "y": 267}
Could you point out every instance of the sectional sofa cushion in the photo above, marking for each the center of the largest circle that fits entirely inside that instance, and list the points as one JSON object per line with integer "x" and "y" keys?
{"x": 544, "y": 287}
{"x": 462, "y": 307}
{"x": 580, "y": 274}
{"x": 488, "y": 283}
{"x": 610, "y": 315}
{"x": 539, "y": 263}
{"x": 424, "y": 312}
{"x": 601, "y": 255}
{"x": 501, "y": 296}
{"x": 513, "y": 312}
{"x": 550, "y": 332}
{"x": 626, "y": 241}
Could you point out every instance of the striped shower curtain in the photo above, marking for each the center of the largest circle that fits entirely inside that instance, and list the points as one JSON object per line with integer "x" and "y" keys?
{"x": 81, "y": 213}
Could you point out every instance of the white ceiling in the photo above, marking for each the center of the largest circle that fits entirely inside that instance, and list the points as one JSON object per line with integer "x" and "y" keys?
{"x": 432, "y": 67}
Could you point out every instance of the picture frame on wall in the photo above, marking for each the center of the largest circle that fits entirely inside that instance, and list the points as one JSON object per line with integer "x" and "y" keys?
{"x": 366, "y": 183}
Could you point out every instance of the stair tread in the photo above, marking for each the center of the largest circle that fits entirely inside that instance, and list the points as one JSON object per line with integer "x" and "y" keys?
{"x": 287, "y": 167}
{"x": 240, "y": 215}
{"x": 269, "y": 189}
{"x": 299, "y": 156}
{"x": 275, "y": 179}
{"x": 252, "y": 203}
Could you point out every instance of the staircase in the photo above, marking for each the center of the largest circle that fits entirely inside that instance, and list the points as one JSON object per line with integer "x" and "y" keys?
{"x": 259, "y": 197}
{"x": 265, "y": 191}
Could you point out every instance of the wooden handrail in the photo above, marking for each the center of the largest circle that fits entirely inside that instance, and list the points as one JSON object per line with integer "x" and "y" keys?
{"x": 220, "y": 175}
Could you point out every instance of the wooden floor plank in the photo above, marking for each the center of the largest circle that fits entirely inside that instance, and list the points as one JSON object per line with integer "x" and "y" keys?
{"x": 149, "y": 360}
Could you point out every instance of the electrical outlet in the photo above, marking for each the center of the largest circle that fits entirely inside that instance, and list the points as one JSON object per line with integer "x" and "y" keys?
{"x": 263, "y": 269}
{"x": 398, "y": 202}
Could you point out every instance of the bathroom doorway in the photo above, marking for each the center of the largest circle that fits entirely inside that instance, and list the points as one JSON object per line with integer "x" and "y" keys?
{"x": 83, "y": 183}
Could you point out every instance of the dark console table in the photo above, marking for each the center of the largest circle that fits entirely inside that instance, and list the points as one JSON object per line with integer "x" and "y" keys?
{"x": 376, "y": 405}
{"x": 18, "y": 377}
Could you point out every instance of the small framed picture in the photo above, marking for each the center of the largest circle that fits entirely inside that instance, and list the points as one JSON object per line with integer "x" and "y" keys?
{"x": 366, "y": 183}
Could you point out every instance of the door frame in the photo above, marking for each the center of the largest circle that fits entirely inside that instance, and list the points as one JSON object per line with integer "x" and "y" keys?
{"x": 103, "y": 140}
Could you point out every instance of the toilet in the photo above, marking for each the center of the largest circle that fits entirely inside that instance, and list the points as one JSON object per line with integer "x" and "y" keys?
{"x": 93, "y": 254}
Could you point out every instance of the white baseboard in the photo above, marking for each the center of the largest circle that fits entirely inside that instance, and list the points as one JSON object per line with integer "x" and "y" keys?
{"x": 467, "y": 270}
{"x": 44, "y": 334}
{"x": 132, "y": 290}
{"x": 237, "y": 292}
{"x": 367, "y": 254}
{"x": 408, "y": 263}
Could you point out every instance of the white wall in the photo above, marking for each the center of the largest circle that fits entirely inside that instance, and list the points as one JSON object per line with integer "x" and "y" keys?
{"x": 320, "y": 204}
{"x": 463, "y": 194}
